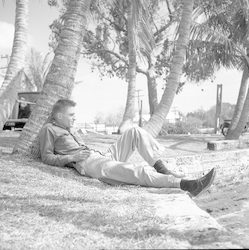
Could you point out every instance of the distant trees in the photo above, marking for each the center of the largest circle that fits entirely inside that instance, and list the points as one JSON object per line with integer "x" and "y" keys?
{"x": 207, "y": 118}
{"x": 113, "y": 118}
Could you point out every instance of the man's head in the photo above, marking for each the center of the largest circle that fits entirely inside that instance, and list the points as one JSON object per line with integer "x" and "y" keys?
{"x": 64, "y": 112}
{"x": 23, "y": 104}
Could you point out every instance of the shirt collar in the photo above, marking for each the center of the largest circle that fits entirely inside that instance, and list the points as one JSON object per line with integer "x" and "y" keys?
{"x": 59, "y": 125}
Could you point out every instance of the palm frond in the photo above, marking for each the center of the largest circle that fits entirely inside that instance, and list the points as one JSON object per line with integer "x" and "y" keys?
{"x": 204, "y": 58}
{"x": 141, "y": 17}
{"x": 46, "y": 61}
{"x": 240, "y": 26}
{"x": 204, "y": 33}
{"x": 45, "y": 71}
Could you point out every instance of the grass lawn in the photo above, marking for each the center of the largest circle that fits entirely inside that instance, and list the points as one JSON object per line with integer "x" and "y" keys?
{"x": 48, "y": 207}
{"x": 44, "y": 207}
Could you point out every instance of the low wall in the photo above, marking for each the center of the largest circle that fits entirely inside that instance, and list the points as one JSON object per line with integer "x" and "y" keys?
{"x": 228, "y": 144}
{"x": 229, "y": 164}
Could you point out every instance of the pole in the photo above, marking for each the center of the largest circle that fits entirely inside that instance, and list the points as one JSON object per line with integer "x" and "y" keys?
{"x": 218, "y": 108}
{"x": 139, "y": 110}
{"x": 7, "y": 57}
{"x": 140, "y": 115}
{"x": 138, "y": 96}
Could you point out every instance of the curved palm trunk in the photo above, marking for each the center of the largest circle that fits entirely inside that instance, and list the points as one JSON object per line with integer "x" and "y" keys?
{"x": 130, "y": 102}
{"x": 240, "y": 103}
{"x": 16, "y": 63}
{"x": 19, "y": 48}
{"x": 157, "y": 120}
{"x": 59, "y": 82}
{"x": 242, "y": 120}
{"x": 152, "y": 89}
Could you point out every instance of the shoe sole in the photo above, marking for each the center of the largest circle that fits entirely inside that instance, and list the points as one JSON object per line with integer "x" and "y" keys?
{"x": 205, "y": 189}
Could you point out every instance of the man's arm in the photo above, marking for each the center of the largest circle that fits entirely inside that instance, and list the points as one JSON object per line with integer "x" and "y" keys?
{"x": 47, "y": 139}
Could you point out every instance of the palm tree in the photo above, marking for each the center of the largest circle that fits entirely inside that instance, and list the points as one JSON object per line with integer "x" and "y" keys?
{"x": 36, "y": 70}
{"x": 233, "y": 132}
{"x": 59, "y": 82}
{"x": 226, "y": 28}
{"x": 242, "y": 107}
{"x": 16, "y": 63}
{"x": 60, "y": 79}
{"x": 156, "y": 122}
{"x": 130, "y": 102}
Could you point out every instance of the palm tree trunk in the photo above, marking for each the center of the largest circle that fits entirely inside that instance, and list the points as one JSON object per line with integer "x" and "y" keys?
{"x": 59, "y": 82}
{"x": 11, "y": 83}
{"x": 157, "y": 120}
{"x": 19, "y": 48}
{"x": 8, "y": 99}
{"x": 130, "y": 102}
{"x": 240, "y": 103}
{"x": 242, "y": 120}
{"x": 152, "y": 89}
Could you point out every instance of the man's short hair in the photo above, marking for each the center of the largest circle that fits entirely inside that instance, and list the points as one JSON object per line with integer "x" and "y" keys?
{"x": 61, "y": 104}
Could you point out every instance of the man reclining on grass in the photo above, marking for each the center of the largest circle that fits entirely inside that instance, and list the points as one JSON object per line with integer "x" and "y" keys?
{"x": 61, "y": 146}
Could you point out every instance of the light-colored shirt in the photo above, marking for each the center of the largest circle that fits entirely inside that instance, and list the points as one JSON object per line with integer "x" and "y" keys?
{"x": 58, "y": 143}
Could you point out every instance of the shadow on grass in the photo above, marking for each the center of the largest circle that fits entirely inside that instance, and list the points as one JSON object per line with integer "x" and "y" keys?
{"x": 91, "y": 216}
{"x": 65, "y": 172}
{"x": 135, "y": 224}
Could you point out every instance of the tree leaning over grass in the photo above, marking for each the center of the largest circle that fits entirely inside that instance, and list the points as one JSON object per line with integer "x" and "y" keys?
{"x": 157, "y": 120}
{"x": 242, "y": 107}
{"x": 226, "y": 28}
{"x": 59, "y": 82}
{"x": 16, "y": 63}
{"x": 220, "y": 40}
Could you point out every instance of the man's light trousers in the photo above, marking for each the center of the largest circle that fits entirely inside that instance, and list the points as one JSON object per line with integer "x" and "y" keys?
{"x": 115, "y": 169}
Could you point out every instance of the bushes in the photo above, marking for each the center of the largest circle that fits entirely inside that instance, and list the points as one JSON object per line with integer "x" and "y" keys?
{"x": 181, "y": 127}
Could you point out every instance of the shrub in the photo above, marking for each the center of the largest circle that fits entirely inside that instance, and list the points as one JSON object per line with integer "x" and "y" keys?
{"x": 180, "y": 127}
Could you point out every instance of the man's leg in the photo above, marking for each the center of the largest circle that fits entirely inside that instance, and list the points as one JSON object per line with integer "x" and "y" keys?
{"x": 116, "y": 172}
{"x": 137, "y": 138}
{"x": 104, "y": 169}
{"x": 132, "y": 139}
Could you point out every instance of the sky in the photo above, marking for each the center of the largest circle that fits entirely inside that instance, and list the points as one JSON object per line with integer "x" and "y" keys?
{"x": 94, "y": 95}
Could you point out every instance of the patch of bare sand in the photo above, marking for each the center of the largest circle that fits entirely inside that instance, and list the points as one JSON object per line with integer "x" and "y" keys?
{"x": 229, "y": 205}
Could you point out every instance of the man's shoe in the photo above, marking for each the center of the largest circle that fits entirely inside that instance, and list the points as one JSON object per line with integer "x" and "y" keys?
{"x": 199, "y": 186}
{"x": 160, "y": 168}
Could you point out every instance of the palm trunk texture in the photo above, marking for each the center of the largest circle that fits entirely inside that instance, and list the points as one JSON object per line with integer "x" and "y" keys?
{"x": 17, "y": 59}
{"x": 130, "y": 102}
{"x": 152, "y": 89}
{"x": 59, "y": 82}
{"x": 157, "y": 120}
{"x": 239, "y": 106}
{"x": 242, "y": 120}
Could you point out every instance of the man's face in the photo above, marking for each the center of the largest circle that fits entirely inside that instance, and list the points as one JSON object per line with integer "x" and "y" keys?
{"x": 23, "y": 104}
{"x": 66, "y": 117}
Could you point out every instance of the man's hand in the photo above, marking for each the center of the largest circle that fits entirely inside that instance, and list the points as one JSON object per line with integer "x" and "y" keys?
{"x": 81, "y": 156}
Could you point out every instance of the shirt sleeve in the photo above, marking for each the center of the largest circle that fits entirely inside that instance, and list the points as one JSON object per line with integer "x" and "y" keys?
{"x": 47, "y": 140}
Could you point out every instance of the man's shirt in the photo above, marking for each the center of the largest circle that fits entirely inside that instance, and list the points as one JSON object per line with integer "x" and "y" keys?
{"x": 58, "y": 143}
